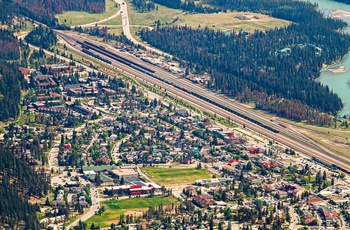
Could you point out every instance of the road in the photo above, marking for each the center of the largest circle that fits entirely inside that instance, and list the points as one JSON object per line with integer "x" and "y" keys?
{"x": 127, "y": 33}
{"x": 93, "y": 209}
{"x": 285, "y": 136}
{"x": 115, "y": 151}
{"x": 101, "y": 21}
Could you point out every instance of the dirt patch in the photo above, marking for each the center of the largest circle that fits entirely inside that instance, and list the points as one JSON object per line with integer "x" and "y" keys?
{"x": 249, "y": 17}
{"x": 133, "y": 213}
{"x": 113, "y": 222}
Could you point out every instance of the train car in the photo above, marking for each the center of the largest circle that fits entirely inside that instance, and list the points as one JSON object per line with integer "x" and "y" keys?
{"x": 343, "y": 169}
{"x": 282, "y": 125}
{"x": 114, "y": 55}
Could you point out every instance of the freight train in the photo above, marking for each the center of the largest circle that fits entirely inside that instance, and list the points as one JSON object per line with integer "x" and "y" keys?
{"x": 96, "y": 56}
{"x": 88, "y": 45}
{"x": 333, "y": 166}
{"x": 116, "y": 57}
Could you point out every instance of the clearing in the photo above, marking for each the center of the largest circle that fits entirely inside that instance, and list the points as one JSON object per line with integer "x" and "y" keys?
{"x": 74, "y": 18}
{"x": 236, "y": 21}
{"x": 134, "y": 206}
{"x": 179, "y": 176}
{"x": 219, "y": 21}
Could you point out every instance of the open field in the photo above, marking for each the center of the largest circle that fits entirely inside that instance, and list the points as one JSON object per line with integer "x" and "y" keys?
{"x": 73, "y": 18}
{"x": 163, "y": 14}
{"x": 220, "y": 21}
{"x": 180, "y": 176}
{"x": 231, "y": 21}
{"x": 113, "y": 209}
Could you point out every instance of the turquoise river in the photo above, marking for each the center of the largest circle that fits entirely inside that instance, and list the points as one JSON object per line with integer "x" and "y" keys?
{"x": 339, "y": 81}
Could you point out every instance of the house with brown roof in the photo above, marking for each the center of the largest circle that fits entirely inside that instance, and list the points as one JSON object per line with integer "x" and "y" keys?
{"x": 203, "y": 200}
{"x": 315, "y": 200}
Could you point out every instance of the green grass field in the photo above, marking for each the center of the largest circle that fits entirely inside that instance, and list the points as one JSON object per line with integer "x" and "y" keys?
{"x": 231, "y": 21}
{"x": 117, "y": 21}
{"x": 219, "y": 21}
{"x": 117, "y": 207}
{"x": 180, "y": 176}
{"x": 74, "y": 18}
{"x": 164, "y": 14}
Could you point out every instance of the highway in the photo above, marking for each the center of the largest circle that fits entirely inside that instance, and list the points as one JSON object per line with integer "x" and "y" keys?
{"x": 127, "y": 33}
{"x": 285, "y": 136}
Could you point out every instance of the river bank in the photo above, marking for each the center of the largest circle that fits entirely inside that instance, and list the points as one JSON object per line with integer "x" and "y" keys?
{"x": 336, "y": 76}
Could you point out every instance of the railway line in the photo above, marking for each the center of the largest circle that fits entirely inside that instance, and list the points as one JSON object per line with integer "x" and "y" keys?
{"x": 209, "y": 101}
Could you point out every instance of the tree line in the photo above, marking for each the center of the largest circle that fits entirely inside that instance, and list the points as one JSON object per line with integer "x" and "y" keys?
{"x": 143, "y": 5}
{"x": 241, "y": 61}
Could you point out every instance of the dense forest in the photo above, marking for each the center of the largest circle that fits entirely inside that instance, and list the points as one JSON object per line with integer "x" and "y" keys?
{"x": 9, "y": 46}
{"x": 187, "y": 5}
{"x": 42, "y": 37}
{"x": 240, "y": 62}
{"x": 19, "y": 182}
{"x": 11, "y": 79}
{"x": 10, "y": 90}
{"x": 175, "y": 4}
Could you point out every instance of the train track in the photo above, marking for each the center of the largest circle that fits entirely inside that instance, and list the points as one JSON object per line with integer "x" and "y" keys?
{"x": 211, "y": 102}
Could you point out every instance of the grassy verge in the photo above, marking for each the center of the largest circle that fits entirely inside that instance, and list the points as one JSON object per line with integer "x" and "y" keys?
{"x": 113, "y": 22}
{"x": 180, "y": 176}
{"x": 115, "y": 208}
{"x": 74, "y": 18}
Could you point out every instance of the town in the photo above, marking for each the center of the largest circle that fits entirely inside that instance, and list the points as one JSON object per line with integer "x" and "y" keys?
{"x": 179, "y": 115}
{"x": 121, "y": 157}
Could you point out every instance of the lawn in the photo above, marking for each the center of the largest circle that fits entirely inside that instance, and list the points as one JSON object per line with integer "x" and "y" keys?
{"x": 113, "y": 209}
{"x": 180, "y": 176}
{"x": 74, "y": 18}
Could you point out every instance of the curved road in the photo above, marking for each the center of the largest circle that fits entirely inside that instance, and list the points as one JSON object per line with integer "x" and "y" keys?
{"x": 127, "y": 33}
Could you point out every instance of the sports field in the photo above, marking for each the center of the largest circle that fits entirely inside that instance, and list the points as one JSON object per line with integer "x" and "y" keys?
{"x": 179, "y": 176}
{"x": 134, "y": 206}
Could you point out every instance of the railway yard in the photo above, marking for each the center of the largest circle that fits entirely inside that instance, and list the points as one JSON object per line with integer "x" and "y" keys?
{"x": 205, "y": 99}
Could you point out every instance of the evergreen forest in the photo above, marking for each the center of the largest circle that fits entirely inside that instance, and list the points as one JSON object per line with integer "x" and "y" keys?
{"x": 281, "y": 64}
{"x": 18, "y": 183}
